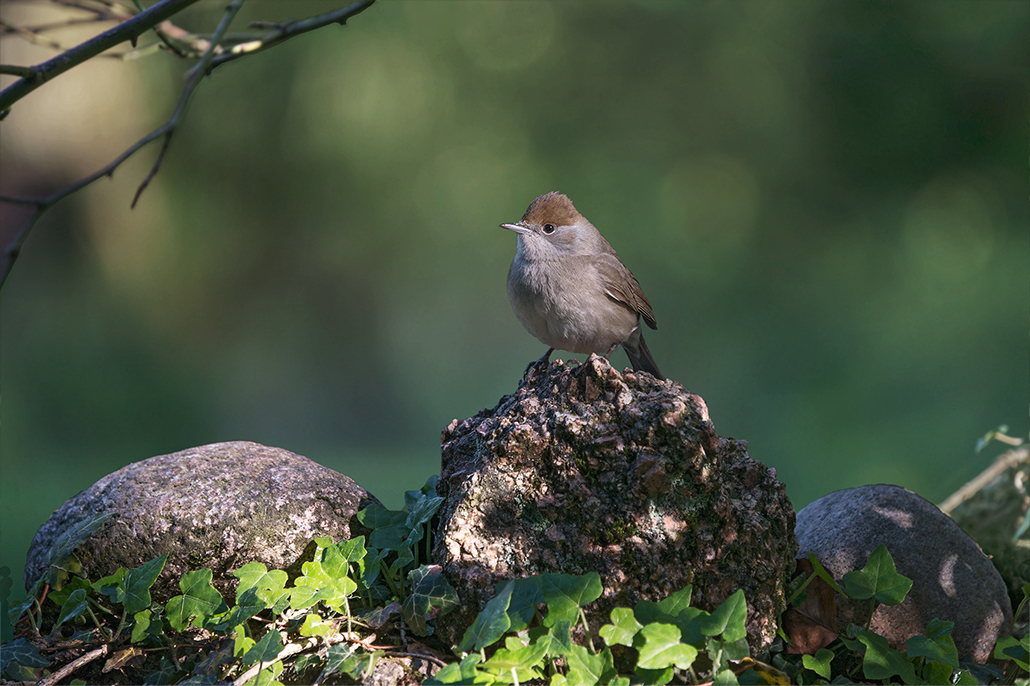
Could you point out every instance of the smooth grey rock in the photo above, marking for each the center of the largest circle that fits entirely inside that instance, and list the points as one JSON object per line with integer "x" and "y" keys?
{"x": 218, "y": 506}
{"x": 952, "y": 580}
{"x": 586, "y": 469}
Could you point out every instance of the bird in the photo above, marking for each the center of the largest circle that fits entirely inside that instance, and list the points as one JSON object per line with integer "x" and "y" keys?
{"x": 569, "y": 288}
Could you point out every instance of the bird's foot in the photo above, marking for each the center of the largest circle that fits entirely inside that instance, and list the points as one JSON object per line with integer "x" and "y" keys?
{"x": 538, "y": 366}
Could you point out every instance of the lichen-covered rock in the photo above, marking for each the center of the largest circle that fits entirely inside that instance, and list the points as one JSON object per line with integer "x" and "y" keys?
{"x": 218, "y": 506}
{"x": 952, "y": 580}
{"x": 586, "y": 469}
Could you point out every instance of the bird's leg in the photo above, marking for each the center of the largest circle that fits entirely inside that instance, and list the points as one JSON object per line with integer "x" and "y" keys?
{"x": 611, "y": 350}
{"x": 540, "y": 364}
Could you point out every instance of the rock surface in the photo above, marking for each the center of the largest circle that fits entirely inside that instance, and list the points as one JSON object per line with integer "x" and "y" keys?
{"x": 991, "y": 508}
{"x": 952, "y": 579}
{"x": 586, "y": 469}
{"x": 219, "y": 506}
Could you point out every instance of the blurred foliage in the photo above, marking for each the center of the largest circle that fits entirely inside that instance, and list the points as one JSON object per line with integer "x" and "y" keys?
{"x": 824, "y": 201}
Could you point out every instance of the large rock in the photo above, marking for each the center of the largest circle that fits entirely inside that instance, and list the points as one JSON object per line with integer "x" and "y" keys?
{"x": 952, "y": 579}
{"x": 218, "y": 506}
{"x": 586, "y": 469}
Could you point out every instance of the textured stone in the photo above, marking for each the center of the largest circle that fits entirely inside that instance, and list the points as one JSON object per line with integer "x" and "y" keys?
{"x": 218, "y": 506}
{"x": 586, "y": 469}
{"x": 991, "y": 508}
{"x": 952, "y": 579}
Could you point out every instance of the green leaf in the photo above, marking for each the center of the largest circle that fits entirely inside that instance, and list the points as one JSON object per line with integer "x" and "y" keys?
{"x": 556, "y": 639}
{"x": 389, "y": 526}
{"x": 878, "y": 579}
{"x": 1012, "y": 648}
{"x": 336, "y": 559}
{"x": 622, "y": 629}
{"x": 199, "y": 600}
{"x": 422, "y": 510}
{"x": 248, "y": 604}
{"x": 265, "y": 650}
{"x": 61, "y": 596}
{"x": 937, "y": 645}
{"x": 140, "y": 625}
{"x": 463, "y": 672}
{"x": 65, "y": 544}
{"x": 315, "y": 625}
{"x": 255, "y": 575}
{"x": 674, "y": 610}
{"x": 659, "y": 647}
{"x": 725, "y": 677}
{"x": 22, "y": 652}
{"x": 112, "y": 581}
{"x": 820, "y": 571}
{"x": 430, "y": 596}
{"x": 133, "y": 591}
{"x": 565, "y": 594}
{"x": 820, "y": 662}
{"x": 937, "y": 673}
{"x": 74, "y": 606}
{"x": 242, "y": 644}
{"x": 585, "y": 668}
{"x": 491, "y": 623}
{"x": 524, "y": 659}
{"x": 652, "y": 676}
{"x": 728, "y": 619}
{"x": 525, "y": 596}
{"x": 883, "y": 663}
{"x": 268, "y": 675}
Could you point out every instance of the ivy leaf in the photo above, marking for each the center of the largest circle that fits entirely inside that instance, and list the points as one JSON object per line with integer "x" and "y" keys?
{"x": 133, "y": 591}
{"x": 883, "y": 663}
{"x": 315, "y": 625}
{"x": 22, "y": 652}
{"x": 60, "y": 597}
{"x": 622, "y": 629}
{"x": 660, "y": 647}
{"x": 141, "y": 623}
{"x": 199, "y": 600}
{"x": 1012, "y": 648}
{"x": 727, "y": 619}
{"x": 109, "y": 582}
{"x": 265, "y": 650}
{"x": 65, "y": 544}
{"x": 878, "y": 579}
{"x": 463, "y": 672}
{"x": 820, "y": 571}
{"x": 524, "y": 659}
{"x": 820, "y": 662}
{"x": 937, "y": 645}
{"x": 585, "y": 668}
{"x": 565, "y": 594}
{"x": 247, "y": 605}
{"x": 491, "y": 623}
{"x": 422, "y": 510}
{"x": 652, "y": 676}
{"x": 74, "y": 606}
{"x": 336, "y": 558}
{"x": 556, "y": 639}
{"x": 525, "y": 596}
{"x": 430, "y": 596}
{"x": 256, "y": 575}
{"x": 389, "y": 527}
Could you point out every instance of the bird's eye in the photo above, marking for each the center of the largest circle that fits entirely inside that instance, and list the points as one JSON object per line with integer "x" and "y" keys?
{"x": 548, "y": 228}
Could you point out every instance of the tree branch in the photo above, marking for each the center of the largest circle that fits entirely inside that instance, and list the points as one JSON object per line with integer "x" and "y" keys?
{"x": 285, "y": 30}
{"x": 127, "y": 30}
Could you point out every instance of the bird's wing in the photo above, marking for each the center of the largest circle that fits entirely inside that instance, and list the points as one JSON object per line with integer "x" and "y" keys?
{"x": 621, "y": 285}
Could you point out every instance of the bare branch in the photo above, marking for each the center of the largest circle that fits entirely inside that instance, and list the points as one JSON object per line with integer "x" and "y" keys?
{"x": 285, "y": 30}
{"x": 209, "y": 59}
{"x": 127, "y": 30}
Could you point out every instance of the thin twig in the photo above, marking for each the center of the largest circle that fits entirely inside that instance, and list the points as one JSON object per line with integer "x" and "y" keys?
{"x": 288, "y": 650}
{"x": 127, "y": 30}
{"x": 286, "y": 30}
{"x": 73, "y": 665}
{"x": 223, "y": 26}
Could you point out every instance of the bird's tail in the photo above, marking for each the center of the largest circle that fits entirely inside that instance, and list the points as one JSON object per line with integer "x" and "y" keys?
{"x": 639, "y": 356}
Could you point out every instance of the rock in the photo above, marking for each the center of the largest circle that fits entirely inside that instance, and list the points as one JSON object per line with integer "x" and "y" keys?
{"x": 952, "y": 579}
{"x": 586, "y": 469}
{"x": 218, "y": 506}
{"x": 991, "y": 508}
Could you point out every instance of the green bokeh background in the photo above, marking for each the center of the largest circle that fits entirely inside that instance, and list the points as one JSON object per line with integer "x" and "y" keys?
{"x": 826, "y": 203}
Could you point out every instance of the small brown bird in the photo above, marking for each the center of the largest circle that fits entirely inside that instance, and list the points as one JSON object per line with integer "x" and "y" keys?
{"x": 569, "y": 288}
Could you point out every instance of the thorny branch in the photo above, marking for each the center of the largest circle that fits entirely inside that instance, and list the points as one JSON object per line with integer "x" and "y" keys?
{"x": 157, "y": 18}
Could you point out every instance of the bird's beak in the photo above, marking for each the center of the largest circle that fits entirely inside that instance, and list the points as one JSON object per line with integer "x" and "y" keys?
{"x": 518, "y": 227}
